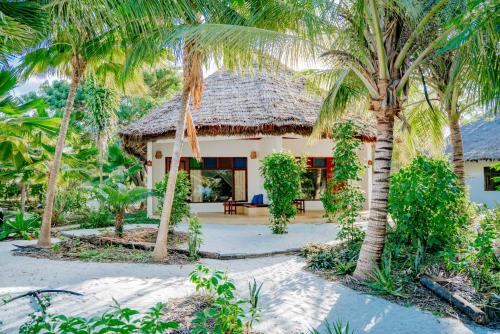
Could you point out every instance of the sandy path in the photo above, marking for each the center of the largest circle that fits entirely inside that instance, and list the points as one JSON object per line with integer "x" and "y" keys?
{"x": 292, "y": 300}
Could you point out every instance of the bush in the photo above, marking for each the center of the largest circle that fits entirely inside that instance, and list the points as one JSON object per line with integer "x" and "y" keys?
{"x": 478, "y": 257}
{"x": 340, "y": 259}
{"x": 120, "y": 320}
{"x": 69, "y": 200}
{"x": 180, "y": 204}
{"x": 194, "y": 234}
{"x": 227, "y": 313}
{"x": 343, "y": 200}
{"x": 20, "y": 227}
{"x": 427, "y": 204}
{"x": 98, "y": 218}
{"x": 282, "y": 176}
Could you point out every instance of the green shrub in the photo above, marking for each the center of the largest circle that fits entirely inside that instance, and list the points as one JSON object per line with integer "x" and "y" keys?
{"x": 478, "y": 257}
{"x": 180, "y": 204}
{"x": 343, "y": 200}
{"x": 427, "y": 204}
{"x": 20, "y": 227}
{"x": 69, "y": 200}
{"x": 227, "y": 313}
{"x": 282, "y": 176}
{"x": 120, "y": 320}
{"x": 98, "y": 219}
{"x": 194, "y": 234}
{"x": 340, "y": 259}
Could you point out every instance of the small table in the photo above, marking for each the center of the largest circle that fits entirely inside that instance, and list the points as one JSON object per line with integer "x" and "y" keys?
{"x": 300, "y": 204}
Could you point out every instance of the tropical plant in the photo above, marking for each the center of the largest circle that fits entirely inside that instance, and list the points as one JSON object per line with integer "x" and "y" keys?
{"x": 195, "y": 240}
{"x": 383, "y": 282}
{"x": 282, "y": 176}
{"x": 180, "y": 204}
{"x": 79, "y": 40}
{"x": 226, "y": 312}
{"x": 336, "y": 327}
{"x": 379, "y": 45}
{"x": 119, "y": 197}
{"x": 21, "y": 26}
{"x": 119, "y": 320}
{"x": 206, "y": 31}
{"x": 20, "y": 227}
{"x": 98, "y": 218}
{"x": 435, "y": 209}
{"x": 101, "y": 105}
{"x": 342, "y": 200}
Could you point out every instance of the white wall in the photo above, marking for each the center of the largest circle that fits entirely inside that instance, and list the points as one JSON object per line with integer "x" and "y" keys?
{"x": 238, "y": 147}
{"x": 474, "y": 177}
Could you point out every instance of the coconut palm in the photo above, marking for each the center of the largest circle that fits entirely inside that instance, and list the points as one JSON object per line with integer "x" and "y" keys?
{"x": 81, "y": 40}
{"x": 199, "y": 32}
{"x": 379, "y": 46}
{"x": 21, "y": 26}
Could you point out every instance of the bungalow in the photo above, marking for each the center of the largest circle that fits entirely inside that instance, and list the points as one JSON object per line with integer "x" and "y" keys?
{"x": 481, "y": 141}
{"x": 243, "y": 118}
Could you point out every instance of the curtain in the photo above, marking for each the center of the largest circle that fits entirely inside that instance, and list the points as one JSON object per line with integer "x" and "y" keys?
{"x": 239, "y": 185}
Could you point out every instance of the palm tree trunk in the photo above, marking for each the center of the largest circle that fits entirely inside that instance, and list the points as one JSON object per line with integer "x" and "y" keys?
{"x": 22, "y": 187}
{"x": 373, "y": 245}
{"x": 78, "y": 66}
{"x": 160, "y": 251}
{"x": 457, "y": 145}
{"x": 119, "y": 224}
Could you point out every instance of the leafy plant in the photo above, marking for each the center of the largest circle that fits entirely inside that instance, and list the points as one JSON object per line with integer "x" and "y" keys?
{"x": 427, "y": 203}
{"x": 336, "y": 327}
{"x": 120, "y": 320}
{"x": 97, "y": 219}
{"x": 20, "y": 227}
{"x": 195, "y": 240}
{"x": 342, "y": 199}
{"x": 340, "y": 259}
{"x": 119, "y": 197}
{"x": 282, "y": 176}
{"x": 69, "y": 200}
{"x": 383, "y": 282}
{"x": 180, "y": 205}
{"x": 226, "y": 312}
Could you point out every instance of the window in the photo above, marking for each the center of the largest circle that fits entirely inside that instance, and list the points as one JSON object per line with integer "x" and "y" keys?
{"x": 315, "y": 178}
{"x": 491, "y": 179}
{"x": 313, "y": 183}
{"x": 217, "y": 179}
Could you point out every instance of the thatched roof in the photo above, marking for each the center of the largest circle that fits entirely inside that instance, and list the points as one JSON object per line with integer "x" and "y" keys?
{"x": 262, "y": 103}
{"x": 481, "y": 140}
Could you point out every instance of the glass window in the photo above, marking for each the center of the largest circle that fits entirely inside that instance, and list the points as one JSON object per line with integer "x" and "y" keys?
{"x": 313, "y": 183}
{"x": 319, "y": 162}
{"x": 210, "y": 163}
{"x": 240, "y": 163}
{"x": 212, "y": 185}
{"x": 491, "y": 179}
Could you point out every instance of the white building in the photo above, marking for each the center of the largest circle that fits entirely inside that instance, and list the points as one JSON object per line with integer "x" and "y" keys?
{"x": 242, "y": 119}
{"x": 481, "y": 141}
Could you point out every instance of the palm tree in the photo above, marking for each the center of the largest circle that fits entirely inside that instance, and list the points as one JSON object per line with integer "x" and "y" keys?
{"x": 201, "y": 34}
{"x": 119, "y": 197}
{"x": 81, "y": 40}
{"x": 378, "y": 46}
{"x": 101, "y": 104}
{"x": 21, "y": 24}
